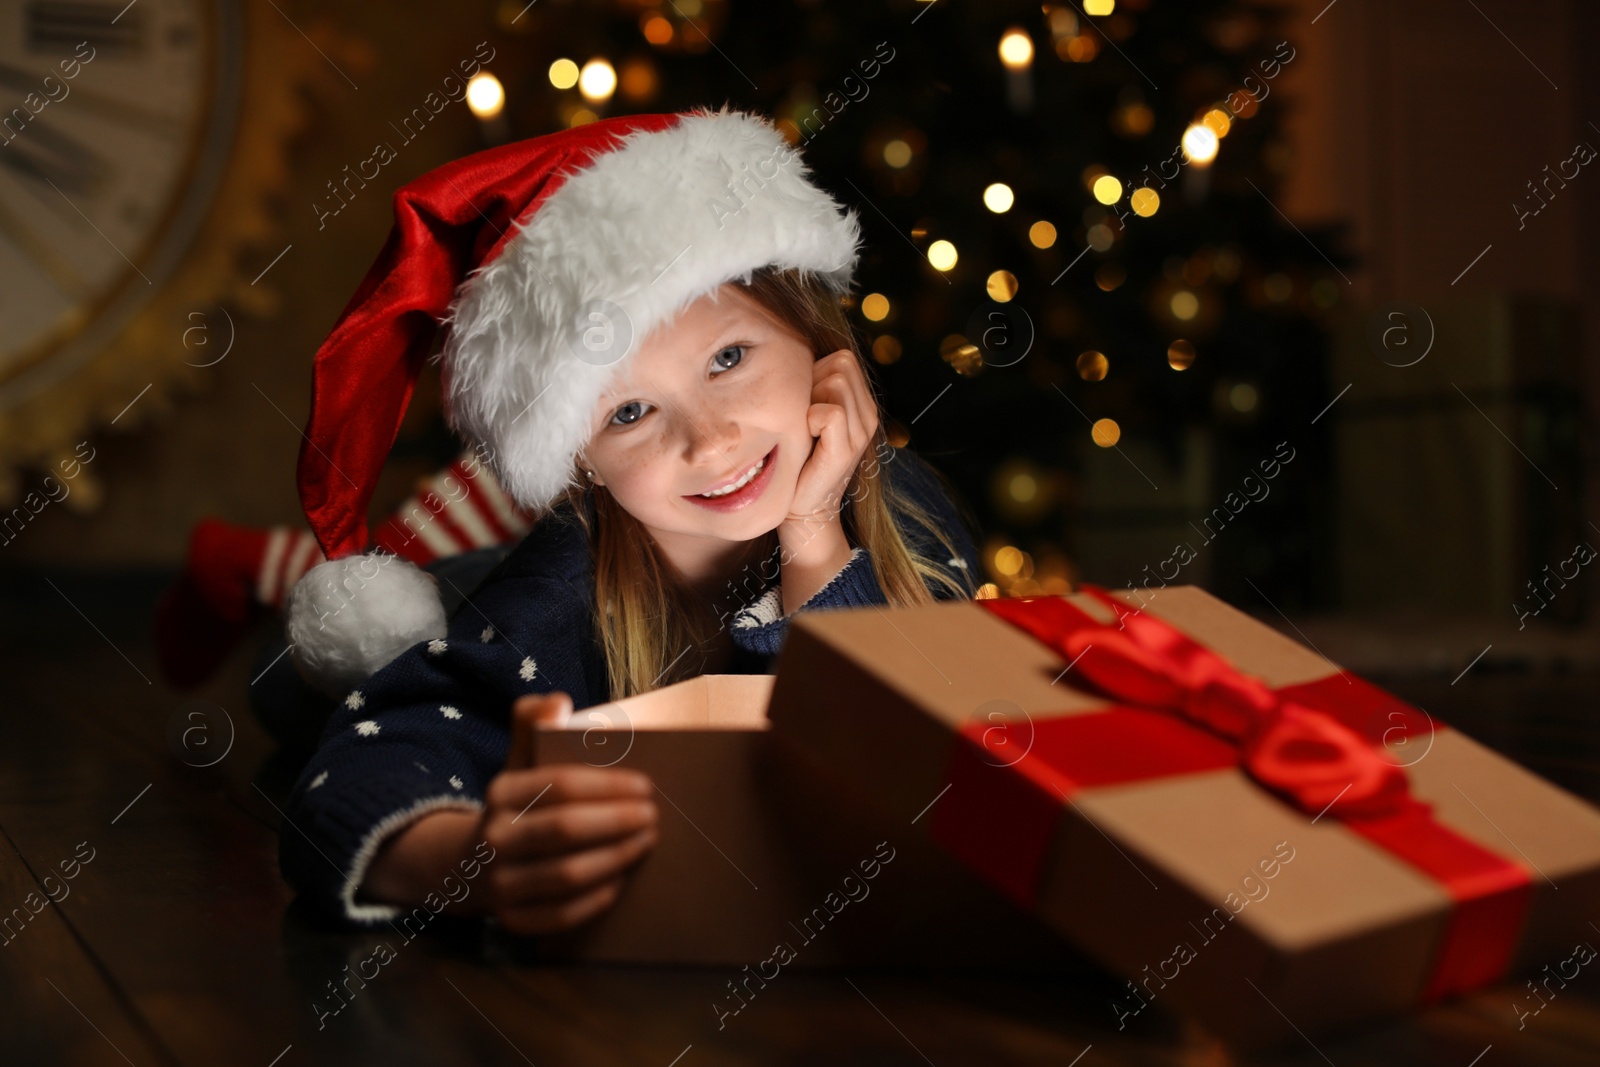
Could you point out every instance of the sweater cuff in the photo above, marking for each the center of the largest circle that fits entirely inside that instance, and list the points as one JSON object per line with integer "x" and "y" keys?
{"x": 761, "y": 626}
{"x": 326, "y": 853}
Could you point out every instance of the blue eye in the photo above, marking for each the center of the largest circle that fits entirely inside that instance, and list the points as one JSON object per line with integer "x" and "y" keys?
{"x": 719, "y": 365}
{"x": 628, "y": 413}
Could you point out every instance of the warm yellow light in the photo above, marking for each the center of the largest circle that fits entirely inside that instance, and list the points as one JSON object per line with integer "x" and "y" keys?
{"x": 597, "y": 81}
{"x": 1093, "y": 366}
{"x": 1079, "y": 49}
{"x": 1042, "y": 234}
{"x": 875, "y": 306}
{"x": 998, "y": 198}
{"x": 942, "y": 254}
{"x": 1107, "y": 189}
{"x": 1200, "y": 144}
{"x": 1099, "y": 7}
{"x": 1242, "y": 397}
{"x": 1144, "y": 202}
{"x": 1106, "y": 433}
{"x": 563, "y": 74}
{"x": 1016, "y": 49}
{"x": 886, "y": 349}
{"x": 1180, "y": 355}
{"x": 1008, "y": 560}
{"x": 1218, "y": 121}
{"x": 1023, "y": 487}
{"x": 657, "y": 30}
{"x": 1185, "y": 305}
{"x": 1002, "y": 286}
{"x": 897, "y": 154}
{"x": 485, "y": 95}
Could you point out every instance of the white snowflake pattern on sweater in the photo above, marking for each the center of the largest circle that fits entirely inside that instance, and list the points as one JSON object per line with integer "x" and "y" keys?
{"x": 437, "y": 646}
{"x": 355, "y": 700}
{"x": 528, "y": 669}
{"x": 367, "y": 728}
{"x": 449, "y": 711}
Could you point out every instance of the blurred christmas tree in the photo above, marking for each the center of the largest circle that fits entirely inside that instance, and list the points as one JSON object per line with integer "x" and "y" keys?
{"x": 1082, "y": 302}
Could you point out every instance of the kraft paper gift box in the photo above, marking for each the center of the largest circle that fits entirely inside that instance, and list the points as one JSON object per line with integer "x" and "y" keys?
{"x": 1278, "y": 868}
{"x": 755, "y": 852}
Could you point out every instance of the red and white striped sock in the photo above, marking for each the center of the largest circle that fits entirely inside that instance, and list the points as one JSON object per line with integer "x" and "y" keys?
{"x": 287, "y": 555}
{"x": 233, "y": 572}
{"x": 456, "y": 510}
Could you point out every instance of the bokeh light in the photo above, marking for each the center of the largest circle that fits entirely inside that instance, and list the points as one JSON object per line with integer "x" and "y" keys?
{"x": 1001, "y": 286}
{"x": 597, "y": 81}
{"x": 563, "y": 74}
{"x": 1093, "y": 366}
{"x": 486, "y": 97}
{"x": 1180, "y": 355}
{"x": 1200, "y": 145}
{"x": 1016, "y": 49}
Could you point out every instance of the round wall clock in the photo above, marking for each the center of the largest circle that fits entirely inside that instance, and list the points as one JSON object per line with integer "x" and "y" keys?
{"x": 128, "y": 185}
{"x": 117, "y": 127}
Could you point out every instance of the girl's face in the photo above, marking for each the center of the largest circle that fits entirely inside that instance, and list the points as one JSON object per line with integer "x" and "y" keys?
{"x": 715, "y": 398}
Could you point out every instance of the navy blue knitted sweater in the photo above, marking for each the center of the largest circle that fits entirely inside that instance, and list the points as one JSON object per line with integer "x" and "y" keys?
{"x": 431, "y": 728}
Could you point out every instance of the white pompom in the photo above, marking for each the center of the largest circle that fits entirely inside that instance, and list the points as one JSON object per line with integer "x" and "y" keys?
{"x": 350, "y": 616}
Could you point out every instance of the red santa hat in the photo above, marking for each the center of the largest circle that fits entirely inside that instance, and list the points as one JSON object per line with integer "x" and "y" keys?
{"x": 548, "y": 261}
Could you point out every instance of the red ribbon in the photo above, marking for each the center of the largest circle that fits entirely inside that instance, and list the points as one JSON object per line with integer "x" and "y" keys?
{"x": 1181, "y": 708}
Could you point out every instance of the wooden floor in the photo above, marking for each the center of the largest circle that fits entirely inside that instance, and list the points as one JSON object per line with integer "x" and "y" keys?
{"x": 177, "y": 942}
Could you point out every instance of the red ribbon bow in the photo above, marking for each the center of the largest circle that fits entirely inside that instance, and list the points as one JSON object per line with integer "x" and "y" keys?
{"x": 1304, "y": 755}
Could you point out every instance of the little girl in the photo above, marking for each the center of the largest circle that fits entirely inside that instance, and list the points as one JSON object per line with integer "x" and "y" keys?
{"x": 653, "y": 357}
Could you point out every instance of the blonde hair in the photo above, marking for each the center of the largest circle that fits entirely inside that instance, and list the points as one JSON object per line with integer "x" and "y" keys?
{"x": 646, "y": 620}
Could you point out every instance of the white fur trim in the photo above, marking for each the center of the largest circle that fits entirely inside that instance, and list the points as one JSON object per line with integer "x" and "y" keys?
{"x": 648, "y": 227}
{"x": 371, "y": 911}
{"x": 350, "y": 616}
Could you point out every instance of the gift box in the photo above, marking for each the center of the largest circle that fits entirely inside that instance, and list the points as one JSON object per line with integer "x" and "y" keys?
{"x": 1239, "y": 828}
{"x": 759, "y": 860}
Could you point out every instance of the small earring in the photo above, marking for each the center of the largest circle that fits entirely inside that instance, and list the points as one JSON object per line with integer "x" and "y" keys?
{"x": 591, "y": 475}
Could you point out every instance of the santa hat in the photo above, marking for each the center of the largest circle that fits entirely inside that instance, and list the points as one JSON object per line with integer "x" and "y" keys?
{"x": 549, "y": 261}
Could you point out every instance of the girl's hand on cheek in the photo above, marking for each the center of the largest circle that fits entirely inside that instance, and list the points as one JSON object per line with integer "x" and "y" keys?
{"x": 842, "y": 418}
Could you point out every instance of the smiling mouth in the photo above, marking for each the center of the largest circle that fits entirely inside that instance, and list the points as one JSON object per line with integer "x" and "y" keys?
{"x": 738, "y": 483}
